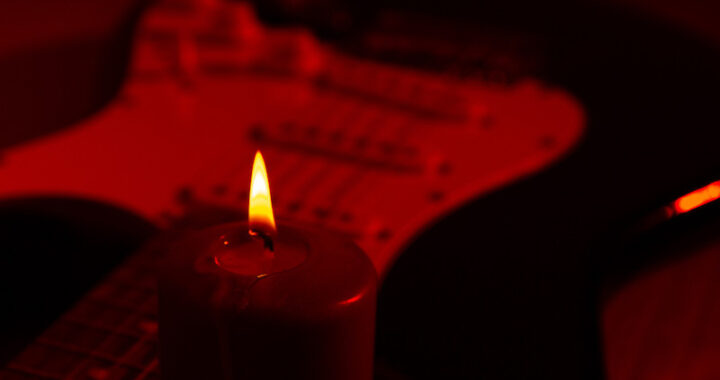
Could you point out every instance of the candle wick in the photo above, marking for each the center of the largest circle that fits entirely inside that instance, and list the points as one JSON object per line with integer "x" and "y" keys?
{"x": 267, "y": 240}
{"x": 268, "y": 243}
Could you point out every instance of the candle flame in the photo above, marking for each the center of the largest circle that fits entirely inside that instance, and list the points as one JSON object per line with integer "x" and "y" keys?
{"x": 260, "y": 213}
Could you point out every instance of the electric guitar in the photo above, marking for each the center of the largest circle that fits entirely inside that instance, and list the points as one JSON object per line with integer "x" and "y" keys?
{"x": 375, "y": 151}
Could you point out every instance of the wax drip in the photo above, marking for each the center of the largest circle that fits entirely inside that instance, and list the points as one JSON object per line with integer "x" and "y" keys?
{"x": 231, "y": 296}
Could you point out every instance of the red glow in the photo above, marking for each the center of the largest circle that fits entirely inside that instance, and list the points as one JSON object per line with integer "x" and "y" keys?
{"x": 697, "y": 198}
{"x": 351, "y": 299}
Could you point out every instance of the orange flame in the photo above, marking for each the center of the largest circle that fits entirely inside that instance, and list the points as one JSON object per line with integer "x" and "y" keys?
{"x": 260, "y": 213}
{"x": 698, "y": 198}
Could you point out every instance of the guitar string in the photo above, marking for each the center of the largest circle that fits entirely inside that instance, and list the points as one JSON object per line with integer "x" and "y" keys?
{"x": 372, "y": 129}
{"x": 367, "y": 135}
{"x": 342, "y": 111}
{"x": 360, "y": 175}
{"x": 344, "y": 123}
{"x": 407, "y": 124}
{"x": 202, "y": 174}
{"x": 315, "y": 117}
{"x": 284, "y": 184}
{"x": 403, "y": 132}
{"x": 280, "y": 160}
{"x": 224, "y": 156}
{"x": 288, "y": 168}
{"x": 105, "y": 341}
{"x": 322, "y": 110}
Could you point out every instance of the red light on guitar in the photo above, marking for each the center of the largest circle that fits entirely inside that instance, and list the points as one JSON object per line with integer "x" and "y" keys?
{"x": 697, "y": 198}
{"x": 260, "y": 212}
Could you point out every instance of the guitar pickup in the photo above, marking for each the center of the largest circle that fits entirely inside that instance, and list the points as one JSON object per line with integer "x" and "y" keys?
{"x": 361, "y": 151}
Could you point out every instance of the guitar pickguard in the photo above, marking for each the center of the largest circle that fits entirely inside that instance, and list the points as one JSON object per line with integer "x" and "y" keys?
{"x": 374, "y": 150}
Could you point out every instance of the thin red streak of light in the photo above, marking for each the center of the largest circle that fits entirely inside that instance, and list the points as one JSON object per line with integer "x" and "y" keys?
{"x": 351, "y": 299}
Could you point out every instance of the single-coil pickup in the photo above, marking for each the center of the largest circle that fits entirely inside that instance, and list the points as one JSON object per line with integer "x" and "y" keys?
{"x": 334, "y": 146}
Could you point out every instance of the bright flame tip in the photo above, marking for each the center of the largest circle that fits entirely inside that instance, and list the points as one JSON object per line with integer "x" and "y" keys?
{"x": 260, "y": 214}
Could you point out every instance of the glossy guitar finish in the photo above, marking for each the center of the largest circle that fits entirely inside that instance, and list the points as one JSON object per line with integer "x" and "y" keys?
{"x": 375, "y": 151}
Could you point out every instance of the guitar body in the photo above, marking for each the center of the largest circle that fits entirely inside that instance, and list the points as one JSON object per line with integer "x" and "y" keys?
{"x": 375, "y": 151}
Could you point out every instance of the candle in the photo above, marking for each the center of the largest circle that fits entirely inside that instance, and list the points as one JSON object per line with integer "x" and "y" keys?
{"x": 252, "y": 301}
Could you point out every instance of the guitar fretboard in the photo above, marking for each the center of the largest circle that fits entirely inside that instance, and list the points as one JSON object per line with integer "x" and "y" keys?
{"x": 111, "y": 334}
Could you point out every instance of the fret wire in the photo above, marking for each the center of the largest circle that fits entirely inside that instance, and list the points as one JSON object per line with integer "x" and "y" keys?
{"x": 114, "y": 304}
{"x": 148, "y": 370}
{"x": 77, "y": 350}
{"x": 98, "y": 326}
{"x": 137, "y": 312}
{"x": 32, "y": 371}
{"x": 139, "y": 343}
